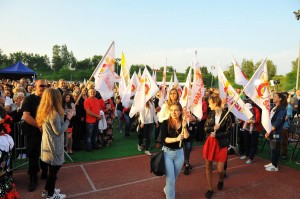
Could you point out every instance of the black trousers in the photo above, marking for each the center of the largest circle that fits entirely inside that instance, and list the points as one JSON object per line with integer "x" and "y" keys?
{"x": 33, "y": 153}
{"x": 51, "y": 179}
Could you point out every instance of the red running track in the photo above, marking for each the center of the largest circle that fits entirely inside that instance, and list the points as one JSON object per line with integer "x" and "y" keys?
{"x": 129, "y": 178}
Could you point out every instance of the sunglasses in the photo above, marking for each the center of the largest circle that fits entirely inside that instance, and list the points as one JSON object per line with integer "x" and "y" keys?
{"x": 43, "y": 86}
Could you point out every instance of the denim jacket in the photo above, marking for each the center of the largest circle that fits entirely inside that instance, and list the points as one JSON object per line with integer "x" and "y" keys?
{"x": 277, "y": 121}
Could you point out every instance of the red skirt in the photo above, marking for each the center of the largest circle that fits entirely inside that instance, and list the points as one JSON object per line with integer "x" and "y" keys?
{"x": 212, "y": 151}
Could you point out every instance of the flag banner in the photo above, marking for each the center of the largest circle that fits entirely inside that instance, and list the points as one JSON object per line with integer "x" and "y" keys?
{"x": 122, "y": 86}
{"x": 154, "y": 75}
{"x": 240, "y": 77}
{"x": 257, "y": 90}
{"x": 130, "y": 90}
{"x": 186, "y": 93}
{"x": 176, "y": 84}
{"x": 163, "y": 86}
{"x": 228, "y": 92}
{"x": 146, "y": 90}
{"x": 124, "y": 70}
{"x": 171, "y": 85}
{"x": 197, "y": 90}
{"x": 105, "y": 75}
{"x": 139, "y": 74}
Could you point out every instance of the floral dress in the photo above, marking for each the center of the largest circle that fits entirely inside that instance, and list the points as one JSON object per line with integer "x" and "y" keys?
{"x": 107, "y": 134}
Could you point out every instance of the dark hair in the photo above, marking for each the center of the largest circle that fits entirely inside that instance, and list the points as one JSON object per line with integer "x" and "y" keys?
{"x": 283, "y": 101}
{"x": 67, "y": 104}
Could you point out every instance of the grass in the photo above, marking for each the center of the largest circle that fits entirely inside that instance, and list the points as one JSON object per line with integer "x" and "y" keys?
{"x": 127, "y": 146}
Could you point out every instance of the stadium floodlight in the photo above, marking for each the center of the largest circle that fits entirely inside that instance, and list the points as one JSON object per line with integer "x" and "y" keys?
{"x": 297, "y": 14}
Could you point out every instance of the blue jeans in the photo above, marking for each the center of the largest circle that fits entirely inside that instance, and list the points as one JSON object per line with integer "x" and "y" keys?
{"x": 187, "y": 145}
{"x": 120, "y": 122}
{"x": 91, "y": 135}
{"x": 173, "y": 164}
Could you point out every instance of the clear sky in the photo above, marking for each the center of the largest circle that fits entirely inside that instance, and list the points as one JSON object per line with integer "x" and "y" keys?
{"x": 149, "y": 31}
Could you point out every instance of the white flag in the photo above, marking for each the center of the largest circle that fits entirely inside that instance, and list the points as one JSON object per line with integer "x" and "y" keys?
{"x": 130, "y": 90}
{"x": 186, "y": 90}
{"x": 239, "y": 76}
{"x": 258, "y": 91}
{"x": 228, "y": 92}
{"x": 122, "y": 86}
{"x": 124, "y": 70}
{"x": 163, "y": 86}
{"x": 147, "y": 89}
{"x": 176, "y": 84}
{"x": 171, "y": 85}
{"x": 197, "y": 90}
{"x": 105, "y": 75}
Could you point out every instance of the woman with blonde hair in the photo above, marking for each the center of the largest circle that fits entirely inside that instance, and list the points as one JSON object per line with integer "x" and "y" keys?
{"x": 50, "y": 119}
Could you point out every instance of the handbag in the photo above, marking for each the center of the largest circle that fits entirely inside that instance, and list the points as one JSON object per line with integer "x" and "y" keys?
{"x": 157, "y": 164}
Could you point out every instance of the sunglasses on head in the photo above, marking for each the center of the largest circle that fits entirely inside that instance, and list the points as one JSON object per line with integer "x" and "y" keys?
{"x": 43, "y": 86}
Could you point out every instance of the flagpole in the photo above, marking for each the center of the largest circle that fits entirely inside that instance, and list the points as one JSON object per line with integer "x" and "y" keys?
{"x": 298, "y": 69}
{"x": 239, "y": 96}
{"x": 99, "y": 64}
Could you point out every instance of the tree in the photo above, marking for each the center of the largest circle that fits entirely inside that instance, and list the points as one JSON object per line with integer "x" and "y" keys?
{"x": 272, "y": 68}
{"x": 247, "y": 67}
{"x": 57, "y": 62}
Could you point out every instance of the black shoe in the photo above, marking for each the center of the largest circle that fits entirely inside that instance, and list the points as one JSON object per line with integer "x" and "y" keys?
{"x": 209, "y": 194}
{"x": 32, "y": 185}
{"x": 284, "y": 157}
{"x": 186, "y": 170}
{"x": 225, "y": 176}
{"x": 220, "y": 185}
{"x": 190, "y": 166}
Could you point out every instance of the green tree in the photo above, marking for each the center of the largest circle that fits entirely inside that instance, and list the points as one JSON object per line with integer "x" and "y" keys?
{"x": 247, "y": 67}
{"x": 57, "y": 62}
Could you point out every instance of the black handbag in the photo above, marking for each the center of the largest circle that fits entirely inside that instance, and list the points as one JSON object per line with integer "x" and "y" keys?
{"x": 157, "y": 164}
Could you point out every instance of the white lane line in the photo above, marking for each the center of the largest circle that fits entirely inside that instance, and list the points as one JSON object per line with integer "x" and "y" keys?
{"x": 139, "y": 181}
{"x": 88, "y": 178}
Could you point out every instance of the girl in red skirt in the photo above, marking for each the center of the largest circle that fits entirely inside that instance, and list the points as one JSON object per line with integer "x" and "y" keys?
{"x": 216, "y": 144}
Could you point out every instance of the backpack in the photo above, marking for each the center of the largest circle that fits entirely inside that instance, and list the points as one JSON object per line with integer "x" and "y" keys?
{"x": 157, "y": 164}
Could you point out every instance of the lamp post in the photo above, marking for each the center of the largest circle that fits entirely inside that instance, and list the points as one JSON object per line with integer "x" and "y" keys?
{"x": 212, "y": 76}
{"x": 297, "y": 15}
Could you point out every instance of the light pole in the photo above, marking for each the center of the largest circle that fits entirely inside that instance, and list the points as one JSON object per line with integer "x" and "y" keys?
{"x": 212, "y": 76}
{"x": 297, "y": 15}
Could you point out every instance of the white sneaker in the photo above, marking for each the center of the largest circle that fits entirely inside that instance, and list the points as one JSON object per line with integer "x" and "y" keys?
{"x": 148, "y": 153}
{"x": 243, "y": 157}
{"x": 139, "y": 148}
{"x": 57, "y": 196}
{"x": 249, "y": 161}
{"x": 272, "y": 168}
{"x": 19, "y": 157}
{"x": 268, "y": 165}
{"x": 24, "y": 156}
{"x": 45, "y": 193}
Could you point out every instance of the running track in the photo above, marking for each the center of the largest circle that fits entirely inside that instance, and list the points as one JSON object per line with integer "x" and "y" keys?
{"x": 129, "y": 178}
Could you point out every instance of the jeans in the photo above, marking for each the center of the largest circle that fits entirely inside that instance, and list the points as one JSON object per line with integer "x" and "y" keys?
{"x": 173, "y": 164}
{"x": 275, "y": 148}
{"x": 187, "y": 145}
{"x": 91, "y": 135}
{"x": 147, "y": 131}
{"x": 120, "y": 122}
{"x": 250, "y": 141}
{"x": 51, "y": 179}
{"x": 127, "y": 124}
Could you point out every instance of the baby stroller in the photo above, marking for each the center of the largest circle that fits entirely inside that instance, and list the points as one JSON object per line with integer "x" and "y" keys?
{"x": 7, "y": 186}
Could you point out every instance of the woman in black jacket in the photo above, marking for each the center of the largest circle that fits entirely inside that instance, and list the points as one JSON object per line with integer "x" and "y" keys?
{"x": 216, "y": 144}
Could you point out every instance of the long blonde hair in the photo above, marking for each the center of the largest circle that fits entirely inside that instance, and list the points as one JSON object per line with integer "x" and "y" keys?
{"x": 51, "y": 103}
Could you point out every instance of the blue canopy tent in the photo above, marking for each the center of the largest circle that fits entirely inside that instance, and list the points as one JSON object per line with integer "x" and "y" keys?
{"x": 17, "y": 71}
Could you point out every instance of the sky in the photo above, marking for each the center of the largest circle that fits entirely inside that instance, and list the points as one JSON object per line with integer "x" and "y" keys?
{"x": 151, "y": 32}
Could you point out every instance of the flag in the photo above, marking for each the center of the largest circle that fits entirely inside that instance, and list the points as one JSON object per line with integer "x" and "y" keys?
{"x": 171, "y": 85}
{"x": 122, "y": 86}
{"x": 154, "y": 75}
{"x": 197, "y": 90}
{"x": 239, "y": 76}
{"x": 186, "y": 90}
{"x": 163, "y": 86}
{"x": 124, "y": 70}
{"x": 228, "y": 92}
{"x": 258, "y": 91}
{"x": 176, "y": 84}
{"x": 105, "y": 75}
{"x": 139, "y": 74}
{"x": 130, "y": 90}
{"x": 147, "y": 89}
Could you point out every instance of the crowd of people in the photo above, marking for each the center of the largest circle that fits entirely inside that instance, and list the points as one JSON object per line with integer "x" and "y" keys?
{"x": 53, "y": 123}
